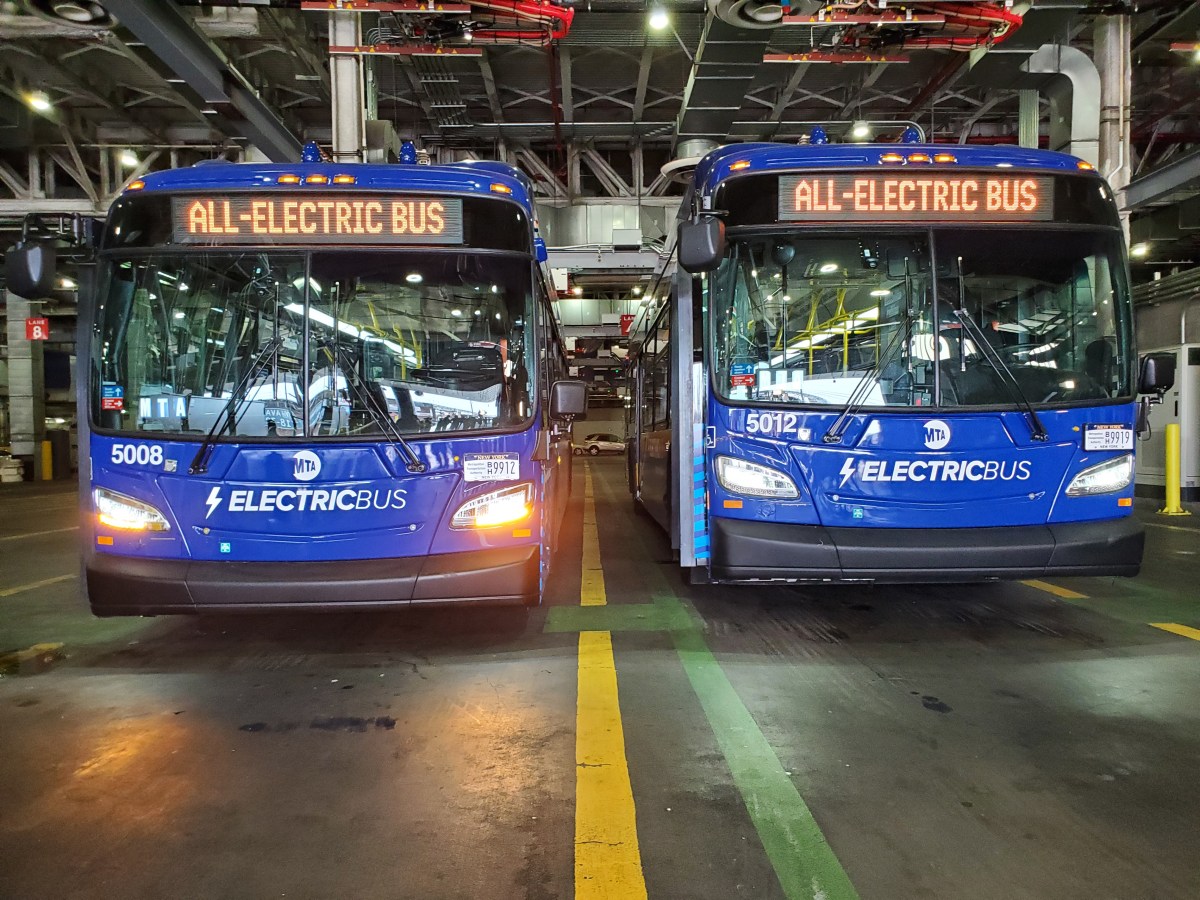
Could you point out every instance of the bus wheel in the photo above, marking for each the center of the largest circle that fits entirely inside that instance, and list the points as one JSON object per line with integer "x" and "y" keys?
{"x": 594, "y": 450}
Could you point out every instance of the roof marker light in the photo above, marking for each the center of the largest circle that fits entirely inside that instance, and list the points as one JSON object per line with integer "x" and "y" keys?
{"x": 288, "y": 179}
{"x": 945, "y": 158}
{"x": 136, "y": 185}
{"x": 919, "y": 158}
{"x": 498, "y": 188}
{"x": 1085, "y": 166}
{"x": 344, "y": 179}
{"x": 892, "y": 158}
{"x": 739, "y": 165}
{"x": 317, "y": 179}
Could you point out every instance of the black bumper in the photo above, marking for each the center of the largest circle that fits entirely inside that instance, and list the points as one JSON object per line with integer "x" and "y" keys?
{"x": 754, "y": 551}
{"x": 132, "y": 586}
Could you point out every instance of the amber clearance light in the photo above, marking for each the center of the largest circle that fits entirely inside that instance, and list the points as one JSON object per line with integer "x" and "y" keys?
{"x": 919, "y": 158}
{"x": 892, "y": 158}
{"x": 317, "y": 179}
{"x": 136, "y": 185}
{"x": 945, "y": 158}
{"x": 288, "y": 179}
{"x": 501, "y": 189}
{"x": 1085, "y": 166}
{"x": 739, "y": 165}
{"x": 343, "y": 179}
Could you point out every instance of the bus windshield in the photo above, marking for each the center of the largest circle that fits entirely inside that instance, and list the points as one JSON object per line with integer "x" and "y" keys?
{"x": 289, "y": 344}
{"x": 807, "y": 318}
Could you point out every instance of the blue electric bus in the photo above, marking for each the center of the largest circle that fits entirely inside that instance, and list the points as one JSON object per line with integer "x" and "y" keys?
{"x": 321, "y": 386}
{"x": 896, "y": 362}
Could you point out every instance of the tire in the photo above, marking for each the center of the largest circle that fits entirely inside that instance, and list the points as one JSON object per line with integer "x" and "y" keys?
{"x": 594, "y": 450}
{"x": 577, "y": 451}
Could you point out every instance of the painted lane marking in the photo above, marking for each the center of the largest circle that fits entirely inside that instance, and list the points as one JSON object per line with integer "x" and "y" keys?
{"x": 33, "y": 534}
{"x": 33, "y": 585}
{"x": 1181, "y": 630}
{"x": 591, "y": 587}
{"x": 1061, "y": 592}
{"x": 43, "y": 654}
{"x": 804, "y": 863}
{"x": 608, "y": 861}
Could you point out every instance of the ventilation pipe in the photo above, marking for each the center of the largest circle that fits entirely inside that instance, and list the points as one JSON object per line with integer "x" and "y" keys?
{"x": 1074, "y": 99}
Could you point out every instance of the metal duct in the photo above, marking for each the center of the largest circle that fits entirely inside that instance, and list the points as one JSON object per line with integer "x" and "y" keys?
{"x": 1181, "y": 286}
{"x": 726, "y": 62}
{"x": 1074, "y": 99}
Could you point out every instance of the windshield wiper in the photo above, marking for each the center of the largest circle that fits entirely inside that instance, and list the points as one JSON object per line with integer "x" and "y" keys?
{"x": 862, "y": 390}
{"x": 233, "y": 410}
{"x": 379, "y": 416}
{"x": 1003, "y": 373}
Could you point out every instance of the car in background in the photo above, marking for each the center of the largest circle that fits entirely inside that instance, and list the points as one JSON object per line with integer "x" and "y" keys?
{"x": 595, "y": 444}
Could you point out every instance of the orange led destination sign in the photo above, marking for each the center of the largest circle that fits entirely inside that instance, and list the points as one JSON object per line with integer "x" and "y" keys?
{"x": 323, "y": 219}
{"x": 905, "y": 197}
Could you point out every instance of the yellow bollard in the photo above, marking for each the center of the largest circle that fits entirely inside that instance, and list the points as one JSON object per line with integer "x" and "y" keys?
{"x": 47, "y": 461}
{"x": 1173, "y": 507}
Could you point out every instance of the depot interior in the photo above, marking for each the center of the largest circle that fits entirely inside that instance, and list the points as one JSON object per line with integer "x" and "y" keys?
{"x": 1036, "y": 741}
{"x": 603, "y": 109}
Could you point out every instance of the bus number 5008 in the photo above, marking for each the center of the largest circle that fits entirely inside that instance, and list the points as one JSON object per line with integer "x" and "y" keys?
{"x": 137, "y": 454}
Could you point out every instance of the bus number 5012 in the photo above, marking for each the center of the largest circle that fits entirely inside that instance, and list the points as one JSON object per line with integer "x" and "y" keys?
{"x": 775, "y": 423}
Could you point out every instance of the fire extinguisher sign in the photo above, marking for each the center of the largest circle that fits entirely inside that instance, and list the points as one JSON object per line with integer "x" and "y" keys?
{"x": 37, "y": 328}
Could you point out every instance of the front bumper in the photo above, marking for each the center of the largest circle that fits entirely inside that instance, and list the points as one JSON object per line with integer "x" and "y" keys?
{"x": 134, "y": 586}
{"x": 758, "y": 551}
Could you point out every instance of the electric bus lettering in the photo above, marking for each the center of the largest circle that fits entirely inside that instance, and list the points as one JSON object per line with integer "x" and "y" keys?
{"x": 304, "y": 499}
{"x": 935, "y": 470}
{"x": 875, "y": 197}
{"x": 312, "y": 220}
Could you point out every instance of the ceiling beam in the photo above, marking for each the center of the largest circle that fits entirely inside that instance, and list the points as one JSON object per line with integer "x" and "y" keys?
{"x": 173, "y": 38}
{"x": 643, "y": 79}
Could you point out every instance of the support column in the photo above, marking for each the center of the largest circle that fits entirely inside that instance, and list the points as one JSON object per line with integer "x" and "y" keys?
{"x": 348, "y": 88}
{"x": 1028, "y": 118}
{"x": 26, "y": 385}
{"x": 1113, "y": 60}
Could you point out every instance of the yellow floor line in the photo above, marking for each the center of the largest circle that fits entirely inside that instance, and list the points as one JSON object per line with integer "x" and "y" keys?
{"x": 1054, "y": 589}
{"x": 608, "y": 862}
{"x": 1181, "y": 630}
{"x": 22, "y": 588}
{"x": 591, "y": 590}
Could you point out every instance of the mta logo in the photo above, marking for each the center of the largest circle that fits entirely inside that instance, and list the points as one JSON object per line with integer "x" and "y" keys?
{"x": 306, "y": 466}
{"x": 937, "y": 434}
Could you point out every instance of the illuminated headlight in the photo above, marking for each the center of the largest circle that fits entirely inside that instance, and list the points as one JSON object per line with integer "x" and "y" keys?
{"x": 740, "y": 477}
{"x": 1105, "y": 478}
{"x": 118, "y": 511}
{"x": 502, "y": 507}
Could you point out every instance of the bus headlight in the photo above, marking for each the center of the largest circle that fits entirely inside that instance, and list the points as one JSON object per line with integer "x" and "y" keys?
{"x": 118, "y": 511}
{"x": 1109, "y": 476}
{"x": 502, "y": 507}
{"x": 741, "y": 477}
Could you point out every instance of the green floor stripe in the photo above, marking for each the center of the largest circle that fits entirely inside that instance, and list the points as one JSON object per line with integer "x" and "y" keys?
{"x": 803, "y": 860}
{"x": 628, "y": 617}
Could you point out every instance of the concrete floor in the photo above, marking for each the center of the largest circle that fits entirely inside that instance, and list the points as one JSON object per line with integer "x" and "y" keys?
{"x": 994, "y": 741}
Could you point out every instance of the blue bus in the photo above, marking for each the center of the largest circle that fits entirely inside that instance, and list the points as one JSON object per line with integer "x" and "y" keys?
{"x": 321, "y": 386}
{"x": 896, "y": 362}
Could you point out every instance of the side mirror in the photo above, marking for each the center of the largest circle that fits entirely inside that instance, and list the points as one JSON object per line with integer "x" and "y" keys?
{"x": 701, "y": 244}
{"x": 568, "y": 399}
{"x": 29, "y": 270}
{"x": 540, "y": 253}
{"x": 1158, "y": 373}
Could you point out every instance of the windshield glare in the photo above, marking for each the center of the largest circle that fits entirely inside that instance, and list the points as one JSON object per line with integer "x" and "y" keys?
{"x": 309, "y": 345}
{"x": 807, "y": 319}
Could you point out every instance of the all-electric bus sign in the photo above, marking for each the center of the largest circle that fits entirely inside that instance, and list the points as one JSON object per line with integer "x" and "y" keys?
{"x": 316, "y": 219}
{"x": 911, "y": 197}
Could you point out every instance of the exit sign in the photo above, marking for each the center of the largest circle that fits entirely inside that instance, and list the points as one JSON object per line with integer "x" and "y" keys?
{"x": 37, "y": 328}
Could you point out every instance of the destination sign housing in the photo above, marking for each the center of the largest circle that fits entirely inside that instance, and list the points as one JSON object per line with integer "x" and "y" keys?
{"x": 316, "y": 219}
{"x": 911, "y": 197}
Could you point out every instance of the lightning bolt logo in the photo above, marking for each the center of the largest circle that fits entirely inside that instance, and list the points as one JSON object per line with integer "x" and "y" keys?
{"x": 848, "y": 468}
{"x": 213, "y": 501}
